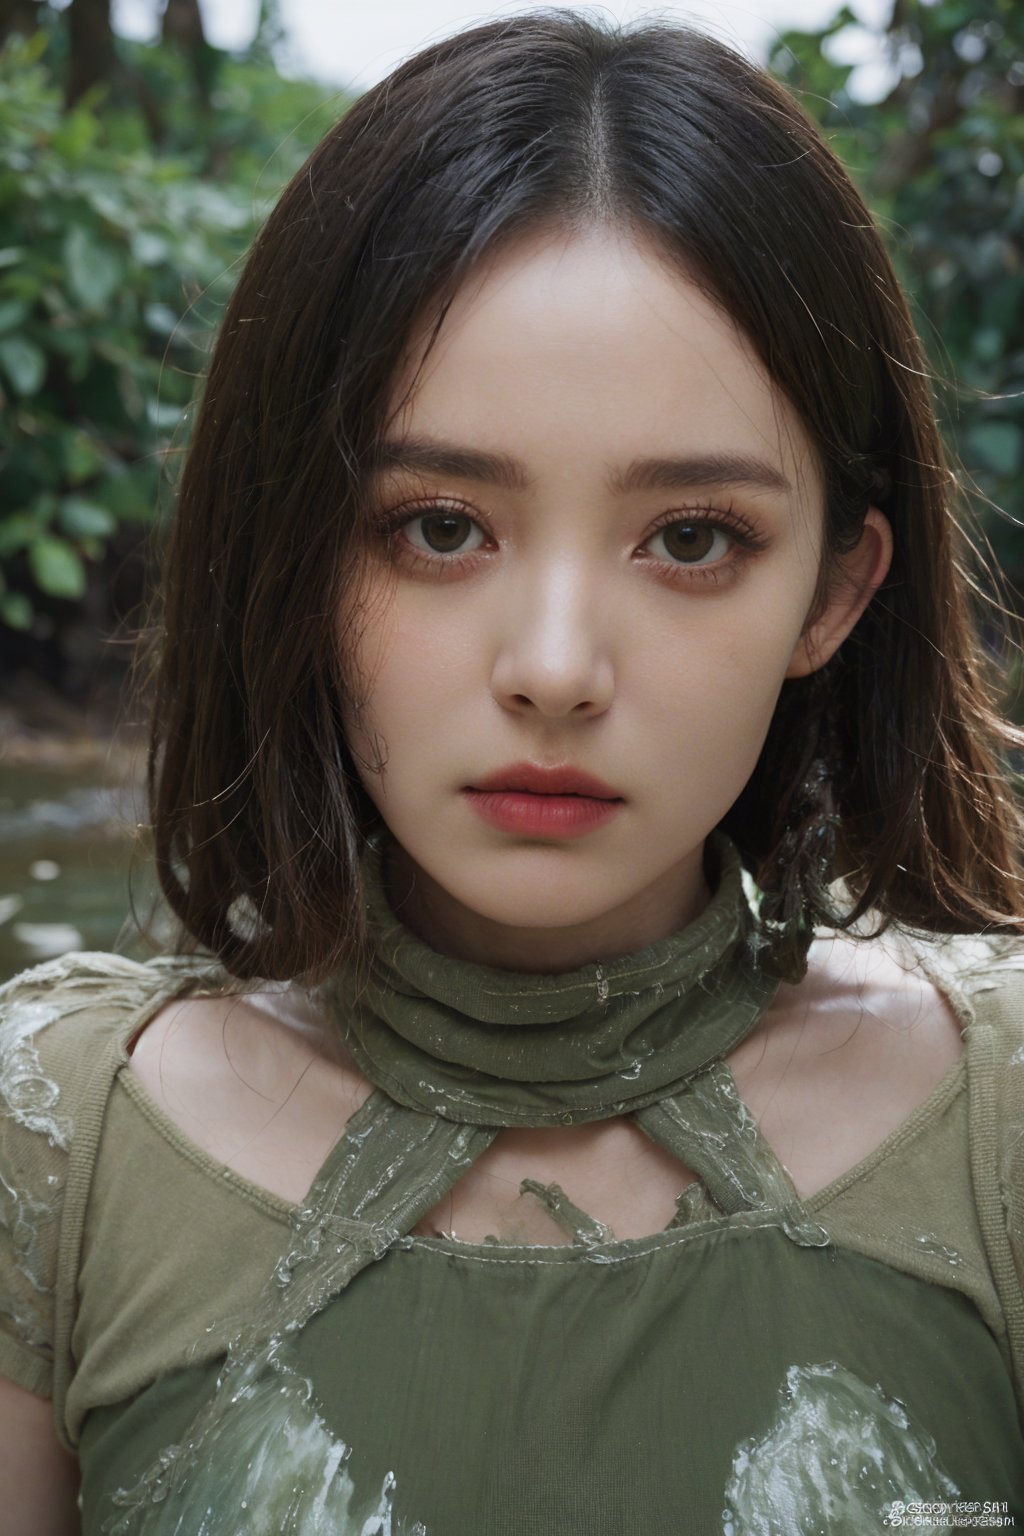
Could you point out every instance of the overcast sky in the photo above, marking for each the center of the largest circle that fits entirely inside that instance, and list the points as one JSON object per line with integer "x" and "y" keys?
{"x": 356, "y": 42}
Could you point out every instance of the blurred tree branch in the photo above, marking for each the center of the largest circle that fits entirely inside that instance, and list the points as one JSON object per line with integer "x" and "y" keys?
{"x": 182, "y": 28}
{"x": 92, "y": 59}
{"x": 19, "y": 16}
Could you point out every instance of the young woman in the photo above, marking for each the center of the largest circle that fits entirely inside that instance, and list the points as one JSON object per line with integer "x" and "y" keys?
{"x": 589, "y": 1095}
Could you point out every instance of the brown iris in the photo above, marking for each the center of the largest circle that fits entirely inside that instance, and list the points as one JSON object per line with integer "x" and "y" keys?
{"x": 445, "y": 532}
{"x": 688, "y": 541}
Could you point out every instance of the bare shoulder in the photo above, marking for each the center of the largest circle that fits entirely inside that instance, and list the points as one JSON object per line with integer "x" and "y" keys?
{"x": 845, "y": 1057}
{"x": 257, "y": 1080}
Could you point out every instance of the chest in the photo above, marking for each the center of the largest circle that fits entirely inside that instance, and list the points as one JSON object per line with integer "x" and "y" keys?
{"x": 824, "y": 1086}
{"x": 831, "y": 1070}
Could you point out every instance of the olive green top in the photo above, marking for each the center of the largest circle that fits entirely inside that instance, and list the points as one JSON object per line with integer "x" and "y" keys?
{"x": 225, "y": 1362}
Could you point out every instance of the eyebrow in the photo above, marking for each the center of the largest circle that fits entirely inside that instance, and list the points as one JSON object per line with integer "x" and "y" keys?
{"x": 656, "y": 474}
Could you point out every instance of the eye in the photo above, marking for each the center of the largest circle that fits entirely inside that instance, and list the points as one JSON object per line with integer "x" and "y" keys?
{"x": 691, "y": 543}
{"x": 443, "y": 533}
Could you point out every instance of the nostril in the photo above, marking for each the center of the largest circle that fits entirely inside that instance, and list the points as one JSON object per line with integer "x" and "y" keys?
{"x": 524, "y": 701}
{"x": 529, "y": 683}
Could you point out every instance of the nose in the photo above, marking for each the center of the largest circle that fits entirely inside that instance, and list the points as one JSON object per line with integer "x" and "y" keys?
{"x": 552, "y": 658}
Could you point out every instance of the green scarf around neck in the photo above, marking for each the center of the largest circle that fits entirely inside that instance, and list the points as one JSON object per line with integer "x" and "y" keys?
{"x": 489, "y": 1047}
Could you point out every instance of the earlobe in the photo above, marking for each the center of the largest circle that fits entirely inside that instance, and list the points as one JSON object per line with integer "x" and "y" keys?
{"x": 855, "y": 582}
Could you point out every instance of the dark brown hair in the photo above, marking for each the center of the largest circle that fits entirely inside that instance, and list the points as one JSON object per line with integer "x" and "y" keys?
{"x": 545, "y": 118}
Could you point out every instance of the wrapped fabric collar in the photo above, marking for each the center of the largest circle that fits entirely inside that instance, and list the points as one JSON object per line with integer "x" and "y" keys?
{"x": 489, "y": 1047}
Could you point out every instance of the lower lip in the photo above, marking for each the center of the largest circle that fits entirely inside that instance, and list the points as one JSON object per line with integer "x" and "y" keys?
{"x": 513, "y": 810}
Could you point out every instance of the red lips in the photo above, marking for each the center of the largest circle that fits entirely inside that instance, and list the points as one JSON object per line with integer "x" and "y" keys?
{"x": 536, "y": 802}
{"x": 535, "y": 780}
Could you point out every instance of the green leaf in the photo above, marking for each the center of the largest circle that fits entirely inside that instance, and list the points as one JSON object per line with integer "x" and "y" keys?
{"x": 148, "y": 248}
{"x": 988, "y": 343}
{"x": 94, "y": 271}
{"x": 12, "y": 313}
{"x": 161, "y": 319}
{"x": 15, "y": 610}
{"x": 84, "y": 519}
{"x": 16, "y": 530}
{"x": 56, "y": 568}
{"x": 163, "y": 414}
{"x": 82, "y": 458}
{"x": 76, "y": 134}
{"x": 131, "y": 494}
{"x": 24, "y": 363}
{"x": 21, "y": 284}
{"x": 74, "y": 345}
{"x": 111, "y": 205}
{"x": 11, "y": 255}
{"x": 34, "y": 46}
{"x": 996, "y": 446}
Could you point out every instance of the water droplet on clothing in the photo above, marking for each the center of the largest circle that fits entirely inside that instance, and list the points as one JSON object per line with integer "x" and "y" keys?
{"x": 804, "y": 1230}
{"x": 929, "y": 1243}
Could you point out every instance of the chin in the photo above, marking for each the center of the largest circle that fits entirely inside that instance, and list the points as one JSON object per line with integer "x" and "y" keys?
{"x": 539, "y": 917}
{"x": 544, "y": 907}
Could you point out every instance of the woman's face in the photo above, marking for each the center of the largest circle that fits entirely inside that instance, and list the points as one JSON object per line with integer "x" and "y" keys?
{"x": 603, "y": 537}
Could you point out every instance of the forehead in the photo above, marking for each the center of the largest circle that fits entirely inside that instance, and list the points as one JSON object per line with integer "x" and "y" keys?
{"x": 560, "y": 347}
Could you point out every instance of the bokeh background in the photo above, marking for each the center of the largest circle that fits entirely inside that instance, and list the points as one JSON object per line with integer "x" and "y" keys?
{"x": 142, "y": 143}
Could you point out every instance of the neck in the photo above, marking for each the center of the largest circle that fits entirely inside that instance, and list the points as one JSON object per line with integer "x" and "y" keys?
{"x": 450, "y": 928}
{"x": 488, "y": 1045}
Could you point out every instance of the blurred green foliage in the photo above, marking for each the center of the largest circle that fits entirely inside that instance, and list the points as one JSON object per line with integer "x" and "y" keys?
{"x": 122, "y": 224}
{"x": 940, "y": 161}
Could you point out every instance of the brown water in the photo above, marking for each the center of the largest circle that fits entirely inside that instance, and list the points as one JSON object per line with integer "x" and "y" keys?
{"x": 70, "y": 860}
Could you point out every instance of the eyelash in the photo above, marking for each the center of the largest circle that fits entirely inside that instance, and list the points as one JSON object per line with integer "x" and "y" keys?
{"x": 746, "y": 541}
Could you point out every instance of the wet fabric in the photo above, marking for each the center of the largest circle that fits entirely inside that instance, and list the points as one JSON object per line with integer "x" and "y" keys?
{"x": 646, "y": 1387}
{"x": 228, "y": 1363}
{"x": 491, "y": 1047}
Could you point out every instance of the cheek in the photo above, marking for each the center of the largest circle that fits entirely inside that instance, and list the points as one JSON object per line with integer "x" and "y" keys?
{"x": 367, "y": 653}
{"x": 408, "y": 672}
{"x": 765, "y": 626}
{"x": 720, "y": 682}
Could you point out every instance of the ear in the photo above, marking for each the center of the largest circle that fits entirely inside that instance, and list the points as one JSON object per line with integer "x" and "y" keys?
{"x": 855, "y": 582}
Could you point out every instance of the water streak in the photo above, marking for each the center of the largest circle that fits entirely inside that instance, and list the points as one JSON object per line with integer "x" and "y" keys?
{"x": 274, "y": 1469}
{"x": 389, "y": 1169}
{"x": 27, "y": 1095}
{"x": 837, "y": 1455}
{"x": 710, "y": 1130}
{"x": 581, "y": 1227}
{"x": 929, "y": 1243}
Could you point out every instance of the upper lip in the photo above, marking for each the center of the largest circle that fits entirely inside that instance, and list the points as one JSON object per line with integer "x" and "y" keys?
{"x": 534, "y": 779}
